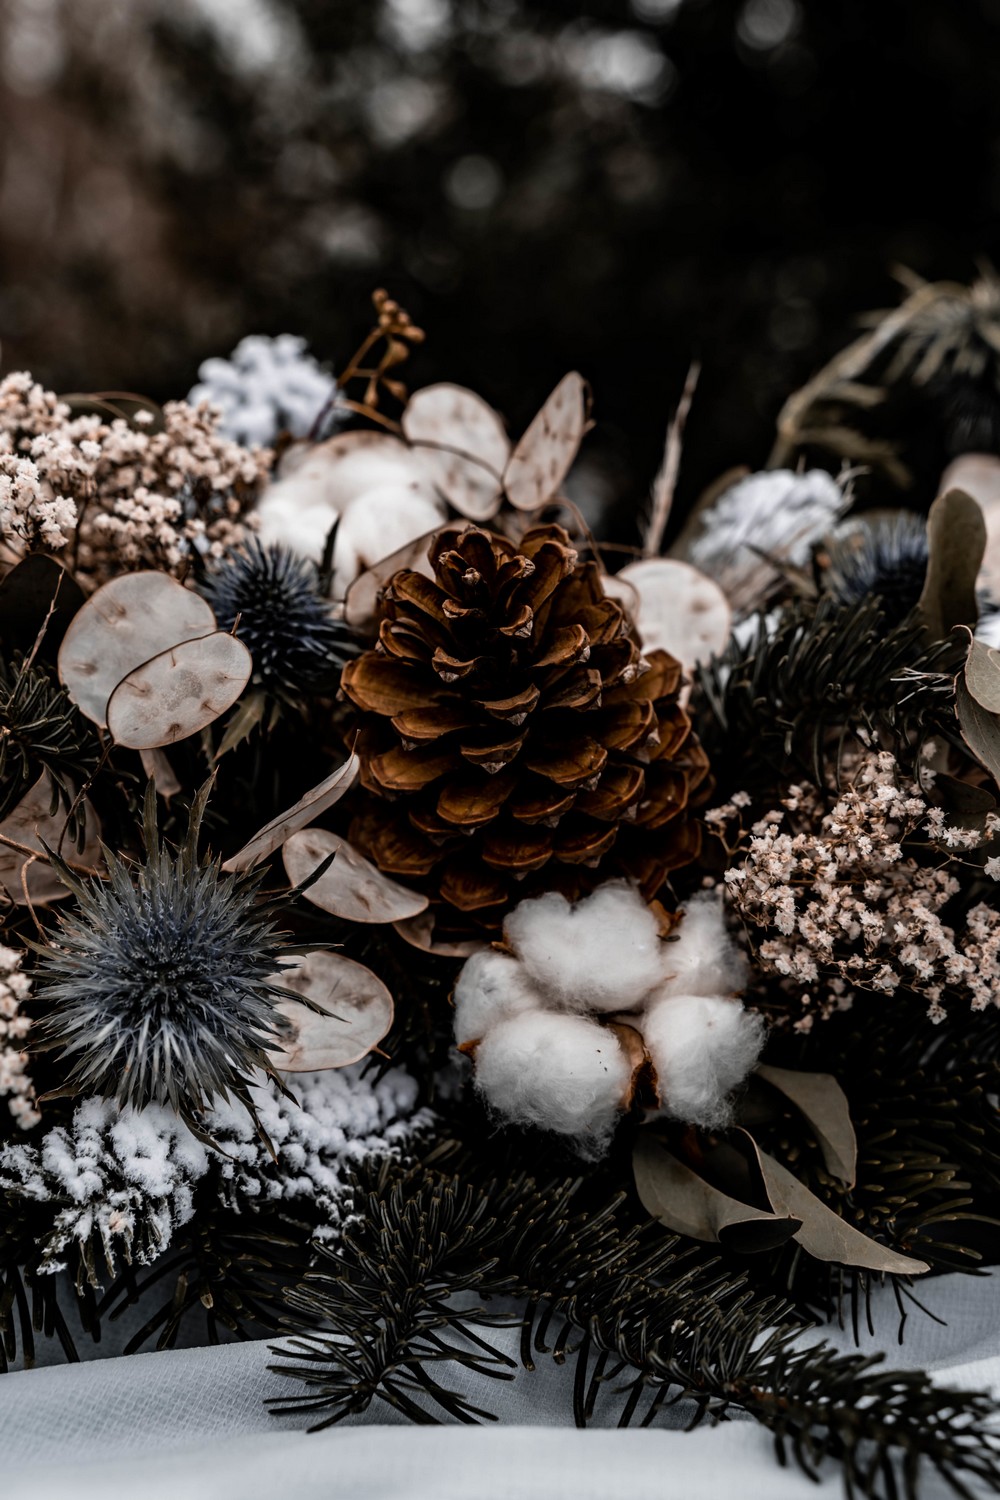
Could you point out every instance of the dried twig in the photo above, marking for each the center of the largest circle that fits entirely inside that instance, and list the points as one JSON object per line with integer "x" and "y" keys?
{"x": 662, "y": 494}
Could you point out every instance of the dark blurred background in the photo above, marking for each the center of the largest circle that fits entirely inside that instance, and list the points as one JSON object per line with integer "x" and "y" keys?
{"x": 615, "y": 185}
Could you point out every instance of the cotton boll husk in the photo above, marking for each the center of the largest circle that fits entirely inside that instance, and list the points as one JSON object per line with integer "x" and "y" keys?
{"x": 604, "y": 953}
{"x": 701, "y": 958}
{"x": 492, "y": 987}
{"x": 559, "y": 1072}
{"x": 703, "y": 1047}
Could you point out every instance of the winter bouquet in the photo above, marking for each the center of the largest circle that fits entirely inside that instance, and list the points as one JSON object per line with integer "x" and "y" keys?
{"x": 420, "y": 916}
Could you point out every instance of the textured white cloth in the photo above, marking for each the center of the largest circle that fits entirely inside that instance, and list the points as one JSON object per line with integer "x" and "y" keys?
{"x": 193, "y": 1423}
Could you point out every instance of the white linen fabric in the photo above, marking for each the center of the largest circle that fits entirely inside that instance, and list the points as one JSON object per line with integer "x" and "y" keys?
{"x": 193, "y": 1423}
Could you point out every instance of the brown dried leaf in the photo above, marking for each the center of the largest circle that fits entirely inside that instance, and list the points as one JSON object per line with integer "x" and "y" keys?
{"x": 956, "y": 541}
{"x": 681, "y": 610}
{"x": 31, "y": 823}
{"x": 685, "y": 1203}
{"x": 823, "y": 1233}
{"x": 824, "y": 1104}
{"x": 315, "y": 802}
{"x": 462, "y": 445}
{"x": 545, "y": 453}
{"x": 352, "y": 887}
{"x": 124, "y": 624}
{"x": 179, "y": 692}
{"x": 631, "y": 1043}
{"x": 356, "y": 1012}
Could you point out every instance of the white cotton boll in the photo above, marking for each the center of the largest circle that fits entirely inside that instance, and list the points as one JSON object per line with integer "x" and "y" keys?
{"x": 378, "y": 493}
{"x": 604, "y": 953}
{"x": 702, "y": 1047}
{"x": 558, "y": 1072}
{"x": 378, "y": 524}
{"x": 492, "y": 987}
{"x": 293, "y": 513}
{"x": 702, "y": 958}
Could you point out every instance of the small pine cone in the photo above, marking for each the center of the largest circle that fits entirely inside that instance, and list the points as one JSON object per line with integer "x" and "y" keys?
{"x": 513, "y": 737}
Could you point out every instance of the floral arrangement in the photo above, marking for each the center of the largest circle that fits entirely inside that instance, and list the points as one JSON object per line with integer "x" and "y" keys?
{"x": 415, "y": 909}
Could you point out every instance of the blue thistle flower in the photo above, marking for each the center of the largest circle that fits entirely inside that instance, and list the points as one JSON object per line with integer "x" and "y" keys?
{"x": 159, "y": 987}
{"x": 885, "y": 556}
{"x": 298, "y": 646}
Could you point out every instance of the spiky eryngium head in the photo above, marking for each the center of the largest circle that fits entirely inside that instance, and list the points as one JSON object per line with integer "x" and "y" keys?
{"x": 297, "y": 644}
{"x": 884, "y": 556}
{"x": 160, "y": 986}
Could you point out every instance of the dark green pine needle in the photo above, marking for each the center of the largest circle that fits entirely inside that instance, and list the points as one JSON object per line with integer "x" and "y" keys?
{"x": 40, "y": 730}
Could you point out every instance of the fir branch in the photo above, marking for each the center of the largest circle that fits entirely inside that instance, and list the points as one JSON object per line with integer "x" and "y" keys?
{"x": 41, "y": 731}
{"x": 645, "y": 1320}
{"x": 785, "y": 705}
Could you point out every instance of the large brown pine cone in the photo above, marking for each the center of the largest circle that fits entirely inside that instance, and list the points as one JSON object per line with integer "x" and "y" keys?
{"x": 512, "y": 735}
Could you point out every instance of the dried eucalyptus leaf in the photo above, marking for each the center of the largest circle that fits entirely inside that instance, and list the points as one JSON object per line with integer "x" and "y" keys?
{"x": 956, "y": 542}
{"x": 37, "y": 594}
{"x": 545, "y": 453}
{"x": 179, "y": 692}
{"x": 982, "y": 676}
{"x": 355, "y": 1012}
{"x": 125, "y": 623}
{"x": 978, "y": 475}
{"x": 685, "y": 1203}
{"x": 419, "y": 933}
{"x": 980, "y": 729}
{"x": 352, "y": 887}
{"x": 462, "y": 445}
{"x": 34, "y": 824}
{"x": 823, "y": 1233}
{"x": 823, "y": 1102}
{"x": 681, "y": 610}
{"x": 315, "y": 802}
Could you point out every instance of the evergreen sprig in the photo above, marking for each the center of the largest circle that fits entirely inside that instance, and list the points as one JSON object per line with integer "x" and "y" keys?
{"x": 784, "y": 705}
{"x": 40, "y": 731}
{"x": 647, "y": 1321}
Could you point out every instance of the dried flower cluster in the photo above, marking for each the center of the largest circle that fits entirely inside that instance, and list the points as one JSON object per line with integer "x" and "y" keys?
{"x": 142, "y": 492}
{"x": 848, "y": 898}
{"x": 15, "y": 1084}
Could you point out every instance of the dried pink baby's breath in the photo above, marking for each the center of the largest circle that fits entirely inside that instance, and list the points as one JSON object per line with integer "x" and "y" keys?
{"x": 121, "y": 495}
{"x": 838, "y": 900}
